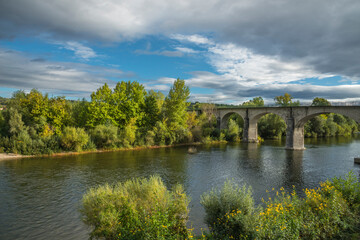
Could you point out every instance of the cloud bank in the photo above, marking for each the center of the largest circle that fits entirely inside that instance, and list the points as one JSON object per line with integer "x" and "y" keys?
{"x": 256, "y": 47}
{"x": 324, "y": 33}
{"x": 61, "y": 78}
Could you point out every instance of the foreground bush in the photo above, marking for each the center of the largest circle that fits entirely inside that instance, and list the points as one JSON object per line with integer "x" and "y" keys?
{"x": 137, "y": 209}
{"x": 322, "y": 214}
{"x": 230, "y": 212}
{"x": 328, "y": 212}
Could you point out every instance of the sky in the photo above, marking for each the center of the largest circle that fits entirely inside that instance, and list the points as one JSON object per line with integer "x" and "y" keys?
{"x": 227, "y": 51}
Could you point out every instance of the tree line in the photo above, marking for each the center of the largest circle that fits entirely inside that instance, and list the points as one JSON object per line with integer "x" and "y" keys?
{"x": 129, "y": 116}
{"x": 123, "y": 117}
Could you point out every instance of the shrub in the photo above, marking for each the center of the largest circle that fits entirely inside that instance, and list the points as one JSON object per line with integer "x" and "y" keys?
{"x": 128, "y": 134}
{"x": 137, "y": 209}
{"x": 182, "y": 135}
{"x": 271, "y": 126}
{"x": 230, "y": 212}
{"x": 74, "y": 138}
{"x": 162, "y": 134}
{"x": 281, "y": 218}
{"x": 327, "y": 212}
{"x": 233, "y": 131}
{"x": 149, "y": 138}
{"x": 51, "y": 144}
{"x": 196, "y": 134}
{"x": 350, "y": 190}
{"x": 104, "y": 136}
{"x": 322, "y": 214}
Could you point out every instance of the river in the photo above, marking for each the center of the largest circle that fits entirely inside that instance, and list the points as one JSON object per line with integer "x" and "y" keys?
{"x": 40, "y": 197}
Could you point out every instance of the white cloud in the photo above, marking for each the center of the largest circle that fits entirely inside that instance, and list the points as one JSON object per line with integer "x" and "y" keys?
{"x": 80, "y": 50}
{"x": 186, "y": 50}
{"x": 255, "y": 44}
{"x": 240, "y": 66}
{"x": 228, "y": 90}
{"x": 253, "y": 69}
{"x": 65, "y": 78}
{"x": 166, "y": 80}
{"x": 324, "y": 33}
{"x": 157, "y": 87}
{"x": 195, "y": 38}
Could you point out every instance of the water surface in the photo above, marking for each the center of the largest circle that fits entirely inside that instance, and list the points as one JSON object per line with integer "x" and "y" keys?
{"x": 40, "y": 197}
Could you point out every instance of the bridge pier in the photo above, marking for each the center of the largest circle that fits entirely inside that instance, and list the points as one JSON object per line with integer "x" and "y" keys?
{"x": 250, "y": 133}
{"x": 295, "y": 118}
{"x": 294, "y": 135}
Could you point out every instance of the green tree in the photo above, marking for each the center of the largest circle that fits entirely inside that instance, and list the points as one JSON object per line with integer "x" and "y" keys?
{"x": 285, "y": 100}
{"x": 100, "y": 107}
{"x": 34, "y": 108}
{"x": 58, "y": 114}
{"x": 271, "y": 126}
{"x": 128, "y": 134}
{"x": 16, "y": 125}
{"x": 176, "y": 105}
{"x": 15, "y": 100}
{"x": 152, "y": 111}
{"x": 80, "y": 113}
{"x": 234, "y": 131}
{"x": 320, "y": 102}
{"x": 159, "y": 96}
{"x": 255, "y": 102}
{"x": 209, "y": 110}
{"x": 128, "y": 99}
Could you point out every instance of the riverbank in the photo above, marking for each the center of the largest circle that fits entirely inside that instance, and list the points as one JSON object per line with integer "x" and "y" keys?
{"x": 13, "y": 156}
{"x": 9, "y": 156}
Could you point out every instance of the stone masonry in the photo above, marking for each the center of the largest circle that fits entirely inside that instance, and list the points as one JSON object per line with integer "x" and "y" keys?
{"x": 294, "y": 117}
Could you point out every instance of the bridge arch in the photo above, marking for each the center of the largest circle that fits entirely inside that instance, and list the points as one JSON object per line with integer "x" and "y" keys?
{"x": 225, "y": 115}
{"x": 254, "y": 114}
{"x": 295, "y": 119}
{"x": 253, "y": 124}
{"x": 302, "y": 121}
{"x": 296, "y": 136}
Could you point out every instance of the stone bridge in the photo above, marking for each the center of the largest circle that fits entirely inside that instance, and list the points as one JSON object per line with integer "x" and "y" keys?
{"x": 294, "y": 117}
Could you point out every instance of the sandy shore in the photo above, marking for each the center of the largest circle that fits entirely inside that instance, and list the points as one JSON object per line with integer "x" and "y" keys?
{"x": 8, "y": 156}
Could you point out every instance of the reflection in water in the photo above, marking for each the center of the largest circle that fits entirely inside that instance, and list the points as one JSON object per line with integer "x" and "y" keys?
{"x": 294, "y": 170}
{"x": 40, "y": 197}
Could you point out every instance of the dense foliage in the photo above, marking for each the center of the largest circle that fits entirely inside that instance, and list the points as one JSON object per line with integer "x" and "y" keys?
{"x": 330, "y": 211}
{"x": 286, "y": 100}
{"x": 145, "y": 209}
{"x": 230, "y": 212}
{"x": 137, "y": 209}
{"x": 128, "y": 116}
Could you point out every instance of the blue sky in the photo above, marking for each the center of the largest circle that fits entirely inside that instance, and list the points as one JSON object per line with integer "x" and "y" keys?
{"x": 227, "y": 51}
